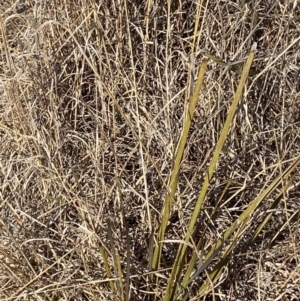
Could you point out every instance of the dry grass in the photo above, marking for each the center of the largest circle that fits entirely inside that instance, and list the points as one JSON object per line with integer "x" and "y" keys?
{"x": 92, "y": 102}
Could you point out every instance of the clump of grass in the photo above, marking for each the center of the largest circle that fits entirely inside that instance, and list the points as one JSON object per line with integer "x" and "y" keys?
{"x": 124, "y": 176}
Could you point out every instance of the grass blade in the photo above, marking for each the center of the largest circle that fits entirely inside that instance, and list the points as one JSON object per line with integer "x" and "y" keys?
{"x": 108, "y": 272}
{"x": 116, "y": 260}
{"x": 175, "y": 172}
{"x": 269, "y": 215}
{"x": 178, "y": 265}
{"x": 241, "y": 222}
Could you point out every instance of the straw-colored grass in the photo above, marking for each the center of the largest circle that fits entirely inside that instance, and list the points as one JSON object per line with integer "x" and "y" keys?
{"x": 149, "y": 150}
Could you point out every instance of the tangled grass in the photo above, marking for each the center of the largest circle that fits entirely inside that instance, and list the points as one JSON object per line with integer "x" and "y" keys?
{"x": 148, "y": 152}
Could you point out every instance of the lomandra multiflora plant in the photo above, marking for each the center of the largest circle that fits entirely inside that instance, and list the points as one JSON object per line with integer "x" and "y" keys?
{"x": 149, "y": 150}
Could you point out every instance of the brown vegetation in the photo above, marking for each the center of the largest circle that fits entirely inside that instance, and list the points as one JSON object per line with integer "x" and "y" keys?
{"x": 93, "y": 99}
